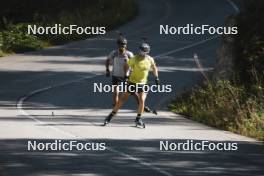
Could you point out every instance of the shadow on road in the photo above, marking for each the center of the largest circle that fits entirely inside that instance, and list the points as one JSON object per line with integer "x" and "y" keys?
{"x": 79, "y": 94}
{"x": 16, "y": 160}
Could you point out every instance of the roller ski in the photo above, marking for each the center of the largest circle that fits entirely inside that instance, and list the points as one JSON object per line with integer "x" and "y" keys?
{"x": 108, "y": 118}
{"x": 147, "y": 109}
{"x": 139, "y": 123}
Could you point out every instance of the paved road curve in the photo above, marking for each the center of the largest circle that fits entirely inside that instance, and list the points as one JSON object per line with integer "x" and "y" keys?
{"x": 59, "y": 81}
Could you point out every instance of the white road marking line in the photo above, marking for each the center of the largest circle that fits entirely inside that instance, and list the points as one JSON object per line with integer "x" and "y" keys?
{"x": 140, "y": 161}
{"x": 69, "y": 134}
{"x": 234, "y": 6}
{"x": 186, "y": 47}
{"x": 21, "y": 100}
{"x": 192, "y": 45}
{"x": 20, "y": 104}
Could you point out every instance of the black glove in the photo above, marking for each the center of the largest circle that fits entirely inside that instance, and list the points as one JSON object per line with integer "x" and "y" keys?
{"x": 107, "y": 73}
{"x": 126, "y": 78}
{"x": 157, "y": 81}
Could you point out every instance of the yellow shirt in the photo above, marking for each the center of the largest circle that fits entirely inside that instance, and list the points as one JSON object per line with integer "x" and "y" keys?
{"x": 140, "y": 68}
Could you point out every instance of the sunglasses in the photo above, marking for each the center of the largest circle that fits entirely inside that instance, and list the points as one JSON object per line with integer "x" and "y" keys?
{"x": 122, "y": 45}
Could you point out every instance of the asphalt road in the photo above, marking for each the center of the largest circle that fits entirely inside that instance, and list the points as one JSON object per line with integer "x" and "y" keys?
{"x": 48, "y": 95}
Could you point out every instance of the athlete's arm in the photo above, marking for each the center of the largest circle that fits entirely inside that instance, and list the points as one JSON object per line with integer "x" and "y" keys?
{"x": 155, "y": 73}
{"x": 108, "y": 61}
{"x": 155, "y": 70}
{"x": 126, "y": 69}
{"x": 128, "y": 65}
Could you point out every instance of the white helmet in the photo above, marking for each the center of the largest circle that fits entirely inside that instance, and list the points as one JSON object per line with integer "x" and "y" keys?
{"x": 145, "y": 48}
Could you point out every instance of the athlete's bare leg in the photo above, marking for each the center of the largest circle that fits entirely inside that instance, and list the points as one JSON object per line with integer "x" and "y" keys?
{"x": 121, "y": 101}
{"x": 117, "y": 106}
{"x": 141, "y": 98}
{"x": 116, "y": 95}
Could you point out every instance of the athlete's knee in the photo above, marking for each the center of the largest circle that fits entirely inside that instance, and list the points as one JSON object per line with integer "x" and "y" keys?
{"x": 140, "y": 101}
{"x": 141, "y": 98}
{"x": 125, "y": 97}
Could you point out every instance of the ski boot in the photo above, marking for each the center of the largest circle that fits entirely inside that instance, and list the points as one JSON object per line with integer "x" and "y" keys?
{"x": 139, "y": 122}
{"x": 147, "y": 109}
{"x": 108, "y": 118}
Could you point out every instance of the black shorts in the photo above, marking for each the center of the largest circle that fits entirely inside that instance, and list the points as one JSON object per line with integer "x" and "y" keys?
{"x": 117, "y": 80}
{"x": 135, "y": 88}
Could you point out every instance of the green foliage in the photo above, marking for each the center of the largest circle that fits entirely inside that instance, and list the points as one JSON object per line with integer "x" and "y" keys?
{"x": 1, "y": 45}
{"x": 108, "y": 13}
{"x": 249, "y": 43}
{"x": 236, "y": 105}
{"x": 225, "y": 106}
{"x": 14, "y": 16}
{"x": 16, "y": 39}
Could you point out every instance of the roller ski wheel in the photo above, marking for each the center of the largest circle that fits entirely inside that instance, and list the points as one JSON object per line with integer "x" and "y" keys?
{"x": 147, "y": 109}
{"x": 107, "y": 120}
{"x": 155, "y": 112}
{"x": 139, "y": 123}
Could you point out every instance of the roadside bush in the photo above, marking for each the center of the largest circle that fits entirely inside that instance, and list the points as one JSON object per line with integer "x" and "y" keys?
{"x": 236, "y": 105}
{"x": 14, "y": 16}
{"x": 249, "y": 43}
{"x": 225, "y": 106}
{"x": 1, "y": 44}
{"x": 16, "y": 39}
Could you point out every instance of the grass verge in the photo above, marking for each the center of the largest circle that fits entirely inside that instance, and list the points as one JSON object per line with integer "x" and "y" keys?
{"x": 15, "y": 16}
{"x": 225, "y": 106}
{"x": 235, "y": 104}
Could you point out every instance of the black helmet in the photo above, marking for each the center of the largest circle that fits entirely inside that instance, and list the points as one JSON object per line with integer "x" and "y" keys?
{"x": 121, "y": 41}
{"x": 144, "y": 47}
